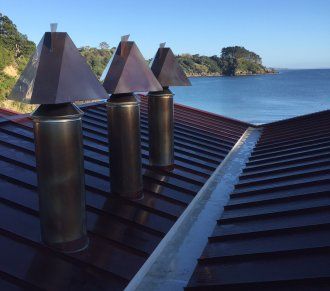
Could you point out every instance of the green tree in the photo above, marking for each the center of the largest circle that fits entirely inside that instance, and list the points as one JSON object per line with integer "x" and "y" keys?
{"x": 13, "y": 40}
{"x": 236, "y": 60}
{"x": 97, "y": 58}
{"x": 104, "y": 46}
{"x": 15, "y": 51}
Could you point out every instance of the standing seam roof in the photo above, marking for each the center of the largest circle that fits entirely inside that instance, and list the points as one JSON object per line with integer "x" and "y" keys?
{"x": 123, "y": 233}
{"x": 274, "y": 233}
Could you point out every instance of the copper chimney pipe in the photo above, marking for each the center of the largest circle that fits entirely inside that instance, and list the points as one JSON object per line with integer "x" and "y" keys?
{"x": 127, "y": 72}
{"x": 55, "y": 76}
{"x": 161, "y": 129}
{"x": 60, "y": 169}
{"x": 161, "y": 108}
{"x": 125, "y": 146}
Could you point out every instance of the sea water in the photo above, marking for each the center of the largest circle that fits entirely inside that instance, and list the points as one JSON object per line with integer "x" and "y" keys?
{"x": 260, "y": 98}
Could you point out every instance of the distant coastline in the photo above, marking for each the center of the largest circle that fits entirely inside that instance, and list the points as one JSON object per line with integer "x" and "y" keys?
{"x": 239, "y": 75}
{"x": 233, "y": 61}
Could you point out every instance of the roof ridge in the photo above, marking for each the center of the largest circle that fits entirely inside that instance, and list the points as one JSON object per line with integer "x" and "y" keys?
{"x": 294, "y": 118}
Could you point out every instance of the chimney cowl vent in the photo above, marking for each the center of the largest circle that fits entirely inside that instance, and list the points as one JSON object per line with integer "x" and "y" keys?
{"x": 128, "y": 72}
{"x": 57, "y": 73}
{"x": 167, "y": 70}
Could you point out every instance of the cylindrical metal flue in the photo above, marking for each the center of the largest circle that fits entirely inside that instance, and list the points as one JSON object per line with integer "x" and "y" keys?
{"x": 125, "y": 145}
{"x": 61, "y": 182}
{"x": 161, "y": 126}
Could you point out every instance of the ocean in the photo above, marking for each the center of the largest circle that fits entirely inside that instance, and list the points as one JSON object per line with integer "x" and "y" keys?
{"x": 261, "y": 98}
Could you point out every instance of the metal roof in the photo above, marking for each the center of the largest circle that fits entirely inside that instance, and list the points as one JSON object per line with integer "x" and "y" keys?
{"x": 274, "y": 233}
{"x": 123, "y": 233}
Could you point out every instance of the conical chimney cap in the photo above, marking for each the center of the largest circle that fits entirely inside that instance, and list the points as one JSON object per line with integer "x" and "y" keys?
{"x": 128, "y": 71}
{"x": 167, "y": 69}
{"x": 57, "y": 73}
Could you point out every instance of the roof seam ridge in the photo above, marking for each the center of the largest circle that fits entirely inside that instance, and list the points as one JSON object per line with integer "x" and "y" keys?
{"x": 200, "y": 216}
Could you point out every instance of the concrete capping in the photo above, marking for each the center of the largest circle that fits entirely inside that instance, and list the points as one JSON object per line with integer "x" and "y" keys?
{"x": 172, "y": 263}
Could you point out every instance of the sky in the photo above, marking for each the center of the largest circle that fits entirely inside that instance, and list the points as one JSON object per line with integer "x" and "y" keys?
{"x": 285, "y": 33}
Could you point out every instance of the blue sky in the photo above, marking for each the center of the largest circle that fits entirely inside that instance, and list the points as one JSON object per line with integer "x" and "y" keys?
{"x": 286, "y": 34}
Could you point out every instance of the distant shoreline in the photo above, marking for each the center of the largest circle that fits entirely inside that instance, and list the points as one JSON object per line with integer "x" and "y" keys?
{"x": 240, "y": 75}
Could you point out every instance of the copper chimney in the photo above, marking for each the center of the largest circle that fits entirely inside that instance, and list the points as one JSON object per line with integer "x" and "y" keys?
{"x": 56, "y": 76}
{"x": 127, "y": 72}
{"x": 161, "y": 110}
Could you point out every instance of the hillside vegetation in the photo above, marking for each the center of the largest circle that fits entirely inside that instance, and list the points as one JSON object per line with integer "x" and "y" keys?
{"x": 16, "y": 49}
{"x": 97, "y": 58}
{"x": 233, "y": 61}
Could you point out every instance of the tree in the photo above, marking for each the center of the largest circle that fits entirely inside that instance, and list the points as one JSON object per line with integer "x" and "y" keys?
{"x": 238, "y": 60}
{"x": 15, "y": 51}
{"x": 104, "y": 46}
{"x": 13, "y": 40}
{"x": 97, "y": 58}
